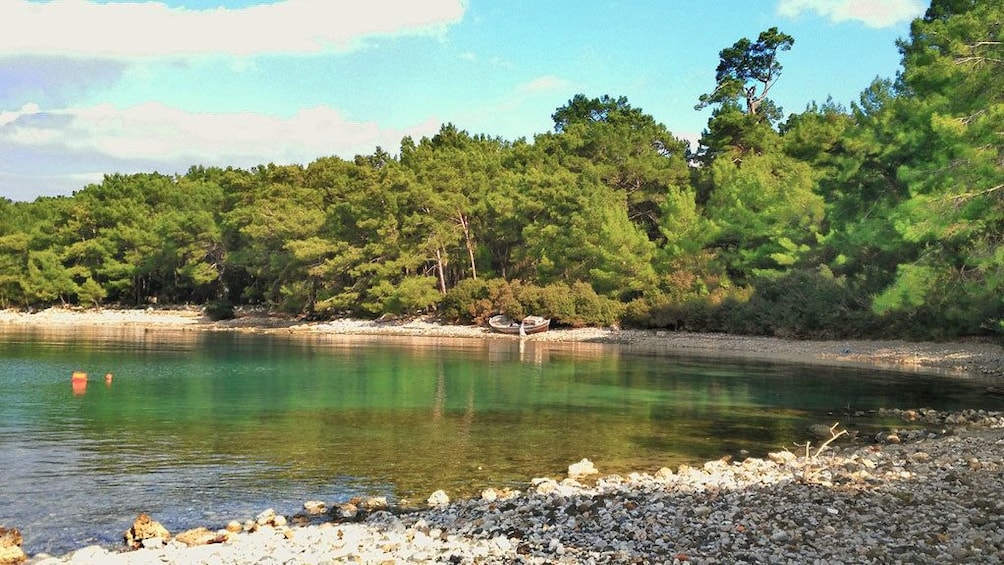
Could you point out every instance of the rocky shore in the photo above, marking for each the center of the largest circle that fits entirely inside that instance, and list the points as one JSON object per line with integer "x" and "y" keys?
{"x": 966, "y": 358}
{"x": 928, "y": 493}
{"x": 923, "y": 495}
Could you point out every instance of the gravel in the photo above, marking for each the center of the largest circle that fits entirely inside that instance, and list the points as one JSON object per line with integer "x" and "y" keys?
{"x": 918, "y": 495}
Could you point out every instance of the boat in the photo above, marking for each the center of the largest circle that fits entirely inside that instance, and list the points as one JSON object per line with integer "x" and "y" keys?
{"x": 529, "y": 325}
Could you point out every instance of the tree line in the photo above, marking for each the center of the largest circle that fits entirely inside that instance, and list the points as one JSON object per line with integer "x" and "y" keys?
{"x": 884, "y": 218}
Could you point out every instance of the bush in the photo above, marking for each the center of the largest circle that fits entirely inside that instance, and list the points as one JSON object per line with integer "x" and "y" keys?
{"x": 465, "y": 302}
{"x": 220, "y": 310}
{"x": 804, "y": 303}
{"x": 576, "y": 305}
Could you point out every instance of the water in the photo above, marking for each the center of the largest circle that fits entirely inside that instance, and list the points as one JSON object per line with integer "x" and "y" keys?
{"x": 201, "y": 428}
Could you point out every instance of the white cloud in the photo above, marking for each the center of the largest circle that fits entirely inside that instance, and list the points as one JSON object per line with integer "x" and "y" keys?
{"x": 82, "y": 28}
{"x": 544, "y": 85}
{"x": 158, "y": 136}
{"x": 523, "y": 111}
{"x": 872, "y": 13}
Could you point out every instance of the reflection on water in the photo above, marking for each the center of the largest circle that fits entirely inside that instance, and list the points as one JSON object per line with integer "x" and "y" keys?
{"x": 199, "y": 428}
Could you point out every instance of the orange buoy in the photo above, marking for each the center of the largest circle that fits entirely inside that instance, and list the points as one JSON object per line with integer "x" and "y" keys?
{"x": 79, "y": 376}
{"x": 79, "y": 386}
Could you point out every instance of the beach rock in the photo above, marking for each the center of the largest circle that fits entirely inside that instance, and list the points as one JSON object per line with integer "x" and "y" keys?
{"x": 374, "y": 503}
{"x": 489, "y": 494}
{"x": 438, "y": 498}
{"x": 145, "y": 528}
{"x": 315, "y": 507}
{"x": 197, "y": 536}
{"x": 10, "y": 546}
{"x": 782, "y": 457}
{"x": 582, "y": 469}
{"x": 265, "y": 517}
{"x": 346, "y": 511}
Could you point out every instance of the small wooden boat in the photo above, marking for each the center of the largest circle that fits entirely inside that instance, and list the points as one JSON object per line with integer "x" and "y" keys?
{"x": 529, "y": 325}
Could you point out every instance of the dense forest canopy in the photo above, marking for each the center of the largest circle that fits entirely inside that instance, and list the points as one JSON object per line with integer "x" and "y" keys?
{"x": 883, "y": 218}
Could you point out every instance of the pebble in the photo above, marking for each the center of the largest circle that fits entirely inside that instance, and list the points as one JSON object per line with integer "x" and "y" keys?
{"x": 923, "y": 500}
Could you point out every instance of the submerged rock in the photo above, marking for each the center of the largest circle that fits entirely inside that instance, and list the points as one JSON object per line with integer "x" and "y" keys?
{"x": 583, "y": 468}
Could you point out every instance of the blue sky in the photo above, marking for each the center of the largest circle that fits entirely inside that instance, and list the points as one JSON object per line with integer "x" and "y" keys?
{"x": 95, "y": 87}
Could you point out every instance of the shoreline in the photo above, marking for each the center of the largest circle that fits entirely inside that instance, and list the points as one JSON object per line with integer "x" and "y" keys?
{"x": 965, "y": 358}
{"x": 922, "y": 495}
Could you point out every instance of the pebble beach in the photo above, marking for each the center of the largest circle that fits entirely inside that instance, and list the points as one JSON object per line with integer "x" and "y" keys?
{"x": 929, "y": 492}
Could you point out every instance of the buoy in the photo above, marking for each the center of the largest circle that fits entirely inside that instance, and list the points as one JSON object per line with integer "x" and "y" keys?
{"x": 108, "y": 378}
{"x": 79, "y": 386}
{"x": 79, "y": 376}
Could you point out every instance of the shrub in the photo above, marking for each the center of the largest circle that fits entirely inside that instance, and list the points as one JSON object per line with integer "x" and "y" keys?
{"x": 465, "y": 302}
{"x": 220, "y": 310}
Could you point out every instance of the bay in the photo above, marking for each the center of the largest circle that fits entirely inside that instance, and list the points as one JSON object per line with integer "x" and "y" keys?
{"x": 198, "y": 428}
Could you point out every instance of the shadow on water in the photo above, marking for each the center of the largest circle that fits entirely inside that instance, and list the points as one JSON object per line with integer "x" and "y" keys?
{"x": 200, "y": 428}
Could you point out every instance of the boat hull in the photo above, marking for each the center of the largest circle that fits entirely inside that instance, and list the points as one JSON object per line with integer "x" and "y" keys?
{"x": 530, "y": 325}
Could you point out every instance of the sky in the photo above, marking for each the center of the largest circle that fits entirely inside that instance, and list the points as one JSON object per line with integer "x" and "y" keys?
{"x": 95, "y": 87}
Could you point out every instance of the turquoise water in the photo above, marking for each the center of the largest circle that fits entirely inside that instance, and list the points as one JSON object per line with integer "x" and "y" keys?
{"x": 201, "y": 428}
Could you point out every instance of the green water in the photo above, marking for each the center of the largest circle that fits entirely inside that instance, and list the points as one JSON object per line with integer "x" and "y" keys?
{"x": 201, "y": 428}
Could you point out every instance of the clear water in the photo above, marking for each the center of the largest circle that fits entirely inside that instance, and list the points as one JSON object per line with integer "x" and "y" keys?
{"x": 201, "y": 428}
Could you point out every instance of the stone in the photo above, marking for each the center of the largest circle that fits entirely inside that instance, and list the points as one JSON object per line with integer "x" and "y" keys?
{"x": 582, "y": 469}
{"x": 782, "y": 457}
{"x": 374, "y": 503}
{"x": 143, "y": 528}
{"x": 196, "y": 536}
{"x": 315, "y": 507}
{"x": 10, "y": 546}
{"x": 265, "y": 517}
{"x": 489, "y": 495}
{"x": 439, "y": 498}
{"x": 821, "y": 431}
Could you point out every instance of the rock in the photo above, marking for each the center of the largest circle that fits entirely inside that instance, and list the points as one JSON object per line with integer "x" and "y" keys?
{"x": 821, "y": 431}
{"x": 583, "y": 468}
{"x": 144, "y": 528}
{"x": 89, "y": 554}
{"x": 265, "y": 517}
{"x": 782, "y": 457}
{"x": 374, "y": 503}
{"x": 233, "y": 526}
{"x": 346, "y": 511}
{"x": 489, "y": 495}
{"x": 10, "y": 546}
{"x": 197, "y": 536}
{"x": 664, "y": 473}
{"x": 315, "y": 507}
{"x": 439, "y": 498}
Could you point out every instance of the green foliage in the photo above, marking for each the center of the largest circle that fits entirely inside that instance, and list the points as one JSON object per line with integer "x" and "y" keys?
{"x": 884, "y": 219}
{"x": 747, "y": 70}
{"x": 218, "y": 310}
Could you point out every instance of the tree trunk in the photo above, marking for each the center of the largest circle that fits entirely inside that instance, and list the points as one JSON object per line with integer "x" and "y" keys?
{"x": 440, "y": 271}
{"x": 469, "y": 242}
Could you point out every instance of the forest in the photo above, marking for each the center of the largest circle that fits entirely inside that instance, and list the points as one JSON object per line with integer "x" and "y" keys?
{"x": 882, "y": 219}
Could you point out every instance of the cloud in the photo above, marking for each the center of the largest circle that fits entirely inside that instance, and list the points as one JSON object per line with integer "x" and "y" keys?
{"x": 543, "y": 85}
{"x": 523, "y": 111}
{"x": 129, "y": 30}
{"x": 71, "y": 143}
{"x": 52, "y": 80}
{"x": 872, "y": 13}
